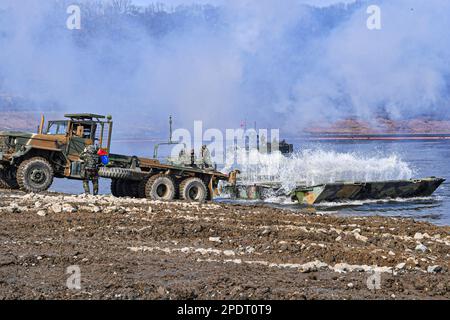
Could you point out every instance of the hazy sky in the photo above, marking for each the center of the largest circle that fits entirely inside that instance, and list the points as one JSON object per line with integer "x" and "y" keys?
{"x": 275, "y": 62}
{"x": 317, "y": 3}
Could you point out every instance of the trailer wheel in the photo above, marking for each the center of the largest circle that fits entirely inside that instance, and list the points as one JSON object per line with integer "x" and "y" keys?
{"x": 8, "y": 179}
{"x": 122, "y": 188}
{"x": 193, "y": 189}
{"x": 160, "y": 187}
{"x": 132, "y": 189}
{"x": 141, "y": 188}
{"x": 35, "y": 175}
{"x": 114, "y": 188}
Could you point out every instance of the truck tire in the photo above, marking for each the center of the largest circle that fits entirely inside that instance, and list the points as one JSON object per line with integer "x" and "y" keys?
{"x": 193, "y": 189}
{"x": 119, "y": 173}
{"x": 160, "y": 187}
{"x": 35, "y": 175}
{"x": 8, "y": 179}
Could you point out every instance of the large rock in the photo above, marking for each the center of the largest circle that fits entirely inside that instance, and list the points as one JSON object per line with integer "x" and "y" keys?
{"x": 420, "y": 247}
{"x": 41, "y": 213}
{"x": 434, "y": 269}
{"x": 56, "y": 208}
{"x": 68, "y": 208}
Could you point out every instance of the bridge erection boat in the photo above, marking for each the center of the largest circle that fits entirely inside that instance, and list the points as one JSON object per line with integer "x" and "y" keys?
{"x": 340, "y": 191}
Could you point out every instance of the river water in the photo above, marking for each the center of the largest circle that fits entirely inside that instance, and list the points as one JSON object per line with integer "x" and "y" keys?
{"x": 344, "y": 160}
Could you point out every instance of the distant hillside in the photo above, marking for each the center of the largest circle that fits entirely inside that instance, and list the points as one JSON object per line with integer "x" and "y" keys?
{"x": 382, "y": 126}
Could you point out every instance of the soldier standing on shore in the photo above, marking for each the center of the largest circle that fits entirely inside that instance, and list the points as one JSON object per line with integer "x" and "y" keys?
{"x": 90, "y": 168}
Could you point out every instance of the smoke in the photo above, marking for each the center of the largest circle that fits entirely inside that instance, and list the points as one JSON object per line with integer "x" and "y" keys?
{"x": 282, "y": 64}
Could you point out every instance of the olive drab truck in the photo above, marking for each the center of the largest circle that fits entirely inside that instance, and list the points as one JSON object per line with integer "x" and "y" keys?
{"x": 30, "y": 162}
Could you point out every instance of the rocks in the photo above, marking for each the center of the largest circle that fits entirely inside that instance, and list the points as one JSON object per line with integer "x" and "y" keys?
{"x": 434, "y": 269}
{"x": 68, "y": 208}
{"x": 420, "y": 247}
{"x": 418, "y": 236}
{"x": 14, "y": 208}
{"x": 360, "y": 237}
{"x": 266, "y": 231}
{"x": 249, "y": 249}
{"x": 313, "y": 266}
{"x": 96, "y": 209}
{"x": 41, "y": 213}
{"x": 400, "y": 266}
{"x": 350, "y": 285}
{"x": 215, "y": 239}
{"x": 56, "y": 208}
{"x": 229, "y": 252}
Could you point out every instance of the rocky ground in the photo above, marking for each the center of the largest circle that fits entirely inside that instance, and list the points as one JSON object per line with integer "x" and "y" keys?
{"x": 139, "y": 249}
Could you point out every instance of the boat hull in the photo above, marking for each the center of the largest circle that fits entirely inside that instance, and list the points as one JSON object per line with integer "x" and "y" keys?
{"x": 350, "y": 191}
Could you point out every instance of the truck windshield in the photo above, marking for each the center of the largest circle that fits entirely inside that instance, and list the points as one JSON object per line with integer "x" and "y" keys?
{"x": 57, "y": 127}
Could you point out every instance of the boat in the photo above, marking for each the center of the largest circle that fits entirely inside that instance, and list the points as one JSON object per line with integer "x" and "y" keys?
{"x": 350, "y": 191}
{"x": 338, "y": 191}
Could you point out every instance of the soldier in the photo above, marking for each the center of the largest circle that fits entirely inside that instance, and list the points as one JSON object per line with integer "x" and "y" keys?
{"x": 206, "y": 157}
{"x": 90, "y": 168}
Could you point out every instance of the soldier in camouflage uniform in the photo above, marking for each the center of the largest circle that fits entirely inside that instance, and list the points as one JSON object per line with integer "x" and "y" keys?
{"x": 90, "y": 168}
{"x": 205, "y": 156}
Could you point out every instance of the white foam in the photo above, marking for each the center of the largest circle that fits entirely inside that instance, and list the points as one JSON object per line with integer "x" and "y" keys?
{"x": 316, "y": 166}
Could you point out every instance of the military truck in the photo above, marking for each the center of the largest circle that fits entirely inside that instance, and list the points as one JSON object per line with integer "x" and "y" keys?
{"x": 31, "y": 161}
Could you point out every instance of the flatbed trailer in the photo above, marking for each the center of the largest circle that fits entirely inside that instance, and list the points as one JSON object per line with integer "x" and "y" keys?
{"x": 149, "y": 178}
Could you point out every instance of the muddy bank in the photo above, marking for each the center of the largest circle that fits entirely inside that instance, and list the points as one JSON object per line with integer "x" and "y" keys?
{"x": 139, "y": 249}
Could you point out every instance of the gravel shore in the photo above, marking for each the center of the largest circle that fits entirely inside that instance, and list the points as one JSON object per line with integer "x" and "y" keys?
{"x": 140, "y": 249}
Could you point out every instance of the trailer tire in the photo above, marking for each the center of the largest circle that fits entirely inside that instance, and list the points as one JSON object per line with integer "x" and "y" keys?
{"x": 114, "y": 183}
{"x": 119, "y": 173}
{"x": 141, "y": 188}
{"x": 121, "y": 188}
{"x": 8, "y": 179}
{"x": 132, "y": 189}
{"x": 160, "y": 187}
{"x": 193, "y": 190}
{"x": 35, "y": 175}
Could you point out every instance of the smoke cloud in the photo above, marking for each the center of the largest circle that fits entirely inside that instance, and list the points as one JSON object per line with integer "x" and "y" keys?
{"x": 282, "y": 64}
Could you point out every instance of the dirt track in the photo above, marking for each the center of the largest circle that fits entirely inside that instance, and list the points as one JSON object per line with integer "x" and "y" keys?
{"x": 137, "y": 249}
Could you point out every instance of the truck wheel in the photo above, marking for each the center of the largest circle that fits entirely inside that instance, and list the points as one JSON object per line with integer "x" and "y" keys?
{"x": 160, "y": 187}
{"x": 35, "y": 175}
{"x": 8, "y": 179}
{"x": 193, "y": 189}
